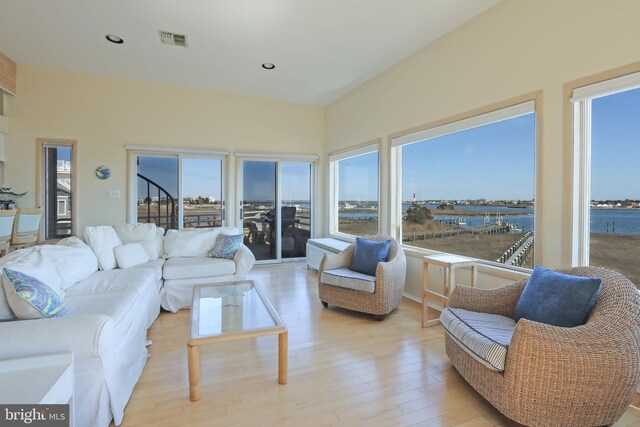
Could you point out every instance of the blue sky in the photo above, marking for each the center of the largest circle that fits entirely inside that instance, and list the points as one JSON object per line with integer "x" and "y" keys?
{"x": 494, "y": 161}
{"x": 615, "y": 146}
{"x": 358, "y": 178}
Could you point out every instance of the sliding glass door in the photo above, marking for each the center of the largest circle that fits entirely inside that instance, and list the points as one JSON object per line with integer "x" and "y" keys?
{"x": 178, "y": 190}
{"x": 275, "y": 201}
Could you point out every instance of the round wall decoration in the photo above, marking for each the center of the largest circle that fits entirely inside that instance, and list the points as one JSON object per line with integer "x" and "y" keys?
{"x": 103, "y": 172}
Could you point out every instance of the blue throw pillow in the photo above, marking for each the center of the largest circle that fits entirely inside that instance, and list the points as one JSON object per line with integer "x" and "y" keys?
{"x": 367, "y": 254}
{"x": 557, "y": 299}
{"x": 226, "y": 246}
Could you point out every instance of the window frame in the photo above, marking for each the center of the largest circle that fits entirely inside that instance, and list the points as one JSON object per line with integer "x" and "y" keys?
{"x": 334, "y": 193}
{"x": 41, "y": 186}
{"x": 134, "y": 151}
{"x": 514, "y": 107}
{"x": 579, "y": 96}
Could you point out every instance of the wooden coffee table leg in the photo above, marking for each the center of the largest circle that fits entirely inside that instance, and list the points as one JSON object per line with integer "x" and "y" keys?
{"x": 283, "y": 344}
{"x": 193, "y": 359}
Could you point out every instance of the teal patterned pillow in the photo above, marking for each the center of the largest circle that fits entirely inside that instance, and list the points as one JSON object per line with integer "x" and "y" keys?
{"x": 31, "y": 299}
{"x": 226, "y": 246}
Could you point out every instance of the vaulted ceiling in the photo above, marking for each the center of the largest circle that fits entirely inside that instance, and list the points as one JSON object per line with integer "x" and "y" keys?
{"x": 321, "y": 48}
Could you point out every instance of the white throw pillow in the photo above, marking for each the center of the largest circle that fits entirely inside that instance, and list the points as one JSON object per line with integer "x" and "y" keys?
{"x": 36, "y": 264}
{"x": 145, "y": 234}
{"x": 74, "y": 260}
{"x": 130, "y": 254}
{"x": 181, "y": 243}
{"x": 103, "y": 239}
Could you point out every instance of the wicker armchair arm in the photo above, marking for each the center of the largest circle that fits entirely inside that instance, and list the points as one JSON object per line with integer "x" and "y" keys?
{"x": 392, "y": 273}
{"x": 500, "y": 301}
{"x": 591, "y": 363}
{"x": 331, "y": 261}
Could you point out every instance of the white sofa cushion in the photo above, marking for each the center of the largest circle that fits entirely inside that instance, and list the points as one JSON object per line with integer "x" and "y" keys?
{"x": 117, "y": 305}
{"x": 486, "y": 337}
{"x": 145, "y": 234}
{"x": 182, "y": 243}
{"x": 131, "y": 254}
{"x": 74, "y": 260}
{"x": 103, "y": 239}
{"x": 142, "y": 281}
{"x": 190, "y": 268}
{"x": 104, "y": 282}
{"x": 160, "y": 241}
{"x": 155, "y": 266}
{"x": 349, "y": 279}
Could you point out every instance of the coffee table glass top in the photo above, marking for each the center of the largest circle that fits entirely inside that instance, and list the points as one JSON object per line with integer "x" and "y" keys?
{"x": 231, "y": 308}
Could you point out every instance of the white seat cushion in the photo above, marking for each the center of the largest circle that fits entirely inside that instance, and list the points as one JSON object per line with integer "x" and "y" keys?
{"x": 191, "y": 268}
{"x": 103, "y": 282}
{"x": 484, "y": 336}
{"x": 349, "y": 279}
{"x": 155, "y": 265}
{"x": 119, "y": 306}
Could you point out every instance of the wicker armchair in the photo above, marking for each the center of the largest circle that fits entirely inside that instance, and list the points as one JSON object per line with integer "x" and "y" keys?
{"x": 389, "y": 282}
{"x": 582, "y": 376}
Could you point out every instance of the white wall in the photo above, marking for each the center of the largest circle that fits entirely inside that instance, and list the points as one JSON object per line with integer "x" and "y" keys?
{"x": 512, "y": 49}
{"x": 104, "y": 114}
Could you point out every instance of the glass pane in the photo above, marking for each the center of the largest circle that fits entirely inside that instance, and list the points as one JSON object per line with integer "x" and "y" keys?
{"x": 615, "y": 184}
{"x": 202, "y": 192}
{"x": 295, "y": 202}
{"x": 358, "y": 195}
{"x": 58, "y": 191}
{"x": 472, "y": 192}
{"x": 231, "y": 308}
{"x": 259, "y": 216}
{"x": 158, "y": 191}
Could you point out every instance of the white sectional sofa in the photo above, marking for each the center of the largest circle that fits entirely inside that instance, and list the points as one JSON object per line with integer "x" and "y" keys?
{"x": 110, "y": 310}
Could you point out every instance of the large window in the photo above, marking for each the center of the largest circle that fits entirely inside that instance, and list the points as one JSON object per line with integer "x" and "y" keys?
{"x": 608, "y": 179}
{"x": 354, "y": 191}
{"x": 57, "y": 196}
{"x": 467, "y": 187}
{"x": 180, "y": 190}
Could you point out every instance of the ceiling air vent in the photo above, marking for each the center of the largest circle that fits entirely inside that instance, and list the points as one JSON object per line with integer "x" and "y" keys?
{"x": 173, "y": 39}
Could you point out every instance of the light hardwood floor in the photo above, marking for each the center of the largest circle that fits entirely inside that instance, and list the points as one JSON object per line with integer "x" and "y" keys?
{"x": 345, "y": 369}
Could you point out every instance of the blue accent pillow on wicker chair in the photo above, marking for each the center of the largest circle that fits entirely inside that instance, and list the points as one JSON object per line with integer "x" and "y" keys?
{"x": 367, "y": 254}
{"x": 557, "y": 299}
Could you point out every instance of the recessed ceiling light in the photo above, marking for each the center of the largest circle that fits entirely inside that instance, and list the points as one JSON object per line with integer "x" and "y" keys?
{"x": 268, "y": 66}
{"x": 114, "y": 39}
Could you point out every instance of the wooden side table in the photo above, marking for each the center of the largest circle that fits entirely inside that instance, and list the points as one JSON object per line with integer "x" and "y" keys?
{"x": 450, "y": 263}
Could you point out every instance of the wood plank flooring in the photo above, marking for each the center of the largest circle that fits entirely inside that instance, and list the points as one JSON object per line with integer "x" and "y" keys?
{"x": 345, "y": 369}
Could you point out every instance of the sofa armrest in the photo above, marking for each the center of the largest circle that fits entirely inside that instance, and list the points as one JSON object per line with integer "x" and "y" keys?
{"x": 87, "y": 336}
{"x": 500, "y": 301}
{"x": 244, "y": 260}
{"x": 331, "y": 261}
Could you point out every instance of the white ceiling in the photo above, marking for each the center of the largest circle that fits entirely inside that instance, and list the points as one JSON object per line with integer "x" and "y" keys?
{"x": 322, "y": 48}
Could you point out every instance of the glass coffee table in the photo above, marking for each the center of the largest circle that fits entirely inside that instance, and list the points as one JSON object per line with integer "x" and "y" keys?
{"x": 231, "y": 311}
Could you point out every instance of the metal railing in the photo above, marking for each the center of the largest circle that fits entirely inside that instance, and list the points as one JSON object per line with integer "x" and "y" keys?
{"x": 166, "y": 219}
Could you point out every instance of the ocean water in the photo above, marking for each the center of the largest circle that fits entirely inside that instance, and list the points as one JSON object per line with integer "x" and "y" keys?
{"x": 602, "y": 220}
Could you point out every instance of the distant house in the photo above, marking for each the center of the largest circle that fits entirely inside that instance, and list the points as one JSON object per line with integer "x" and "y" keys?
{"x": 63, "y": 206}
